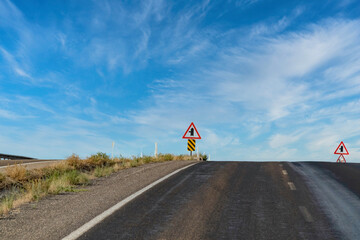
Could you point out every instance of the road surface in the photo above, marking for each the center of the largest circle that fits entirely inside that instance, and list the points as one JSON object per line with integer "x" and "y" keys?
{"x": 239, "y": 200}
{"x": 209, "y": 200}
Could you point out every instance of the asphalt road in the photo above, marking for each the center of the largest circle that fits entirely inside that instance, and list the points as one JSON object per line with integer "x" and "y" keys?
{"x": 12, "y": 162}
{"x": 240, "y": 200}
{"x": 210, "y": 200}
{"x": 28, "y": 164}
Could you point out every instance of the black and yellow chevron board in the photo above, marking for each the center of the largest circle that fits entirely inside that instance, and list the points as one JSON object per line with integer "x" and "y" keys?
{"x": 191, "y": 145}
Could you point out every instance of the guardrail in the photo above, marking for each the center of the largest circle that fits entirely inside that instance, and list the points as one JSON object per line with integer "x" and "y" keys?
{"x": 12, "y": 157}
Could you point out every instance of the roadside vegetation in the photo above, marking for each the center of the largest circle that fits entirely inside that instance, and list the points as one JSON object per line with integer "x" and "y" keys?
{"x": 19, "y": 185}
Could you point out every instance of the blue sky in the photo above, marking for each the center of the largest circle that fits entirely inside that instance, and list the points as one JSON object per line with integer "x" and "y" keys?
{"x": 261, "y": 80}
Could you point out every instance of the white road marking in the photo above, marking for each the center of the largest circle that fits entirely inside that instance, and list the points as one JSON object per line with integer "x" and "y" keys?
{"x": 292, "y": 186}
{"x": 87, "y": 226}
{"x": 284, "y": 172}
{"x": 306, "y": 214}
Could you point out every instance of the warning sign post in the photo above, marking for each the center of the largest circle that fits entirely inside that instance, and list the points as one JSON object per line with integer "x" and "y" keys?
{"x": 191, "y": 134}
{"x": 341, "y": 150}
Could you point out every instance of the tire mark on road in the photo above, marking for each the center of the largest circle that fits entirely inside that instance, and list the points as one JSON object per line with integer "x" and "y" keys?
{"x": 340, "y": 204}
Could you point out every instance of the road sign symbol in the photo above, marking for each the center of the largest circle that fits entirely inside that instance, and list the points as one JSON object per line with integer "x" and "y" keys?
{"x": 341, "y": 159}
{"x": 192, "y": 132}
{"x": 341, "y": 149}
{"x": 191, "y": 145}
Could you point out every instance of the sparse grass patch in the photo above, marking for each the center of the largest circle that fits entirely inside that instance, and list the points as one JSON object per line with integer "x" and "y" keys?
{"x": 4, "y": 181}
{"x": 65, "y": 182}
{"x": 59, "y": 185}
{"x": 6, "y": 204}
{"x": 166, "y": 157}
{"x": 2, "y": 177}
{"x": 103, "y": 171}
{"x": 37, "y": 189}
{"x": 180, "y": 157}
{"x": 148, "y": 159}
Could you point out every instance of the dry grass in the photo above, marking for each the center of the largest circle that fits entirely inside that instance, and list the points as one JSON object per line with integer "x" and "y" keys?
{"x": 103, "y": 171}
{"x": 16, "y": 172}
{"x": 65, "y": 176}
{"x": 6, "y": 204}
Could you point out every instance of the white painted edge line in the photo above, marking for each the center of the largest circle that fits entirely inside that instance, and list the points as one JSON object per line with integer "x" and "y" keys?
{"x": 306, "y": 214}
{"x": 292, "y": 186}
{"x": 87, "y": 226}
{"x": 28, "y": 163}
{"x": 284, "y": 172}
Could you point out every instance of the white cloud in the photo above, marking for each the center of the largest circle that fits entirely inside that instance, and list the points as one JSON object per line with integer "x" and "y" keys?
{"x": 280, "y": 140}
{"x": 8, "y": 114}
{"x": 267, "y": 83}
{"x": 13, "y": 64}
{"x": 21, "y": 72}
{"x": 245, "y": 3}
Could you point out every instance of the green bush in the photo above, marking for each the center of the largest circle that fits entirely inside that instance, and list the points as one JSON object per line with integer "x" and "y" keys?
{"x": 100, "y": 159}
{"x": 103, "y": 171}
{"x": 75, "y": 177}
{"x": 2, "y": 178}
{"x": 148, "y": 159}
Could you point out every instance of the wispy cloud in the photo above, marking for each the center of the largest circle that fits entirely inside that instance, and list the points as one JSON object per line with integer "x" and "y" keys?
{"x": 14, "y": 65}
{"x": 256, "y": 83}
{"x": 8, "y": 114}
{"x": 273, "y": 83}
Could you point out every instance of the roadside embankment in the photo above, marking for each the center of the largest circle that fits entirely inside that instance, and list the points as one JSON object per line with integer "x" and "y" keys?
{"x": 28, "y": 164}
{"x": 20, "y": 184}
{"x": 56, "y": 216}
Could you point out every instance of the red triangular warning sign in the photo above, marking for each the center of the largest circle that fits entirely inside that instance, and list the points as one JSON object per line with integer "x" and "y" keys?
{"x": 192, "y": 132}
{"x": 341, "y": 159}
{"x": 341, "y": 149}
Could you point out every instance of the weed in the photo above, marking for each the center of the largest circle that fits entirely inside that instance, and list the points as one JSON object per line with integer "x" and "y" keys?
{"x": 204, "y": 157}
{"x": 99, "y": 159}
{"x": 37, "y": 189}
{"x": 75, "y": 161}
{"x": 166, "y": 157}
{"x": 2, "y": 177}
{"x": 6, "y": 204}
{"x": 16, "y": 172}
{"x": 59, "y": 185}
{"x": 148, "y": 159}
{"x": 4, "y": 182}
{"x": 103, "y": 171}
{"x": 75, "y": 177}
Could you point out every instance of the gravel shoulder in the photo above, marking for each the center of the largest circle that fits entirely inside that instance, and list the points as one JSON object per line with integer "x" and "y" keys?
{"x": 56, "y": 216}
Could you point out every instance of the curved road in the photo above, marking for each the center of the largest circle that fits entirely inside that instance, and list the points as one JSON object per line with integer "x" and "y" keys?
{"x": 232, "y": 200}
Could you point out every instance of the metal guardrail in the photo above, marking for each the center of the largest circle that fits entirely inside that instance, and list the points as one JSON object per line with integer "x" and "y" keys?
{"x": 12, "y": 157}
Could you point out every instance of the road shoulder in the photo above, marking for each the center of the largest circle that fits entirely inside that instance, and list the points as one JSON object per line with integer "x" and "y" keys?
{"x": 56, "y": 216}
